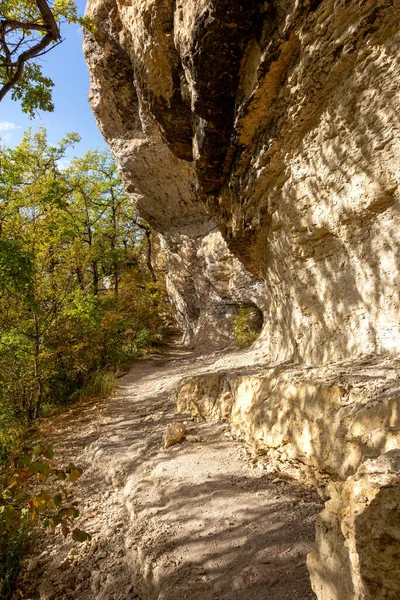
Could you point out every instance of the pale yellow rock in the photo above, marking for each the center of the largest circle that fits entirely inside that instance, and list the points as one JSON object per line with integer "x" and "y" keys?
{"x": 324, "y": 427}
{"x": 174, "y": 433}
{"x": 357, "y": 548}
{"x": 286, "y": 142}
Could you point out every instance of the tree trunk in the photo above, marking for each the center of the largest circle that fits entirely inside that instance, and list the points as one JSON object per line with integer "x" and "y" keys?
{"x": 36, "y": 399}
{"x": 148, "y": 257}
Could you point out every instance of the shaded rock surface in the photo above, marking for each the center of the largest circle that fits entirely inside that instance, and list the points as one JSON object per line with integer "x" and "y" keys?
{"x": 136, "y": 79}
{"x": 207, "y": 286}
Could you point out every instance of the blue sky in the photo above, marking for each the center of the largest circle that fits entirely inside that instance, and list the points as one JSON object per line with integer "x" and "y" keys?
{"x": 66, "y": 66}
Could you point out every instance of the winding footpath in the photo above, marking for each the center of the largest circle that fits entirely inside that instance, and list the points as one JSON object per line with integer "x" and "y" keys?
{"x": 203, "y": 520}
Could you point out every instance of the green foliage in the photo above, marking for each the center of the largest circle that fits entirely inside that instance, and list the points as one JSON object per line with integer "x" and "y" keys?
{"x": 77, "y": 299}
{"x": 100, "y": 384}
{"x": 30, "y": 29}
{"x": 34, "y": 90}
{"x": 15, "y": 267}
{"x": 12, "y": 431}
{"x": 247, "y": 326}
{"x": 25, "y": 496}
{"x": 35, "y": 493}
{"x": 76, "y": 295}
{"x": 12, "y": 543}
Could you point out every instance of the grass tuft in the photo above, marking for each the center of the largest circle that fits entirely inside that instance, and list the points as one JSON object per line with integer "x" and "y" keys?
{"x": 101, "y": 384}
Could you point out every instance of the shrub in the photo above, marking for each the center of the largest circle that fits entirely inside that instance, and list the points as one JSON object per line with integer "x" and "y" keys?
{"x": 12, "y": 430}
{"x": 12, "y": 542}
{"x": 247, "y": 325}
{"x": 34, "y": 492}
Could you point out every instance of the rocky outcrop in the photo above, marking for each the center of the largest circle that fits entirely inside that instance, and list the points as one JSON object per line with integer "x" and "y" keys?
{"x": 207, "y": 286}
{"x": 357, "y": 550}
{"x": 136, "y": 95}
{"x": 277, "y": 122}
{"x": 260, "y": 139}
{"x": 324, "y": 421}
{"x": 335, "y": 424}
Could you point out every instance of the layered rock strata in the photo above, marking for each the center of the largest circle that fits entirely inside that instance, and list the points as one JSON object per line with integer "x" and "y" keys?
{"x": 327, "y": 420}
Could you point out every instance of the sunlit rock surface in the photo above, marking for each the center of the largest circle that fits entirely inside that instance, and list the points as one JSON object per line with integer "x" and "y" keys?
{"x": 261, "y": 140}
{"x": 357, "y": 550}
{"x": 326, "y": 420}
{"x": 340, "y": 423}
{"x": 279, "y": 123}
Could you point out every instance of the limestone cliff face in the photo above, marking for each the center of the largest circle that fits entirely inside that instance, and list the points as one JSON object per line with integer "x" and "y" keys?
{"x": 274, "y": 125}
{"x": 139, "y": 99}
{"x": 207, "y": 285}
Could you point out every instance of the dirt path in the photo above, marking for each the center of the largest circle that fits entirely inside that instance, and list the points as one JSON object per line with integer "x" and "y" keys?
{"x": 202, "y": 520}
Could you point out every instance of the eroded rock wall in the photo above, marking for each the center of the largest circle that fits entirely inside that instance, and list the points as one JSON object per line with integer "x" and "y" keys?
{"x": 357, "y": 549}
{"x": 138, "y": 97}
{"x": 207, "y": 286}
{"x": 261, "y": 140}
{"x": 340, "y": 424}
{"x": 278, "y": 122}
{"x": 327, "y": 420}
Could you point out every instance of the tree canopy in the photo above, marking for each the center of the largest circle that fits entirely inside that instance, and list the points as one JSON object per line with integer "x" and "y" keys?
{"x": 28, "y": 30}
{"x": 78, "y": 299}
{"x": 76, "y": 293}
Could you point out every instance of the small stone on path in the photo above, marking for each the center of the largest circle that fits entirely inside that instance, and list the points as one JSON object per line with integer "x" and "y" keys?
{"x": 174, "y": 433}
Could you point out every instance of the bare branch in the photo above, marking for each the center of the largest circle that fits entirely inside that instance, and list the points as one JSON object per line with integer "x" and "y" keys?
{"x": 12, "y": 25}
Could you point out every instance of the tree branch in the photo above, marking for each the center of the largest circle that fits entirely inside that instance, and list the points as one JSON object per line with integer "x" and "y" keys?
{"x": 12, "y": 25}
{"x": 52, "y": 35}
